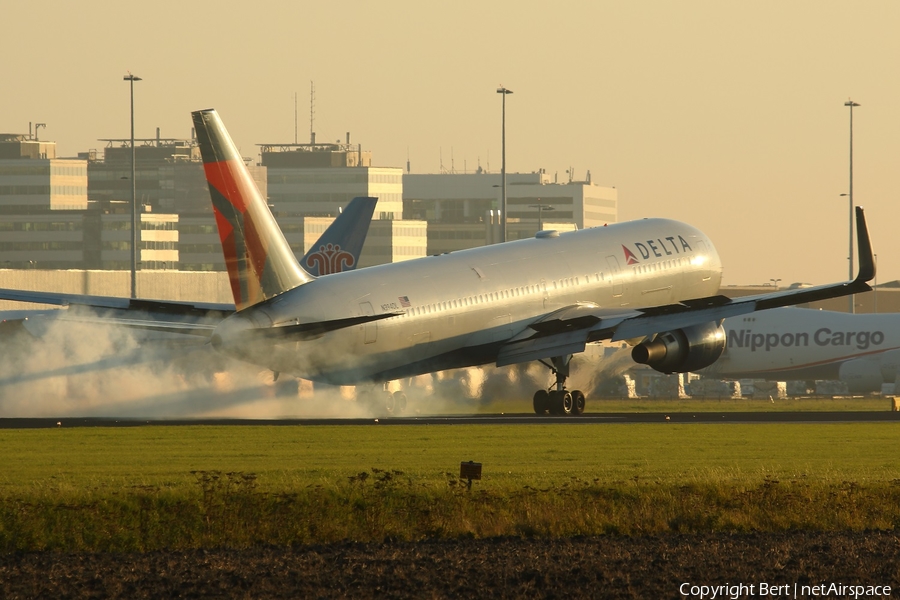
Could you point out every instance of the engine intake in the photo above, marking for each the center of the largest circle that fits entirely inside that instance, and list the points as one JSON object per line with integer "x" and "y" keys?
{"x": 682, "y": 350}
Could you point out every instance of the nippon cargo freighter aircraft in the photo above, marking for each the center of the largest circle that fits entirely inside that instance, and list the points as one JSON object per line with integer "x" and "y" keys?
{"x": 652, "y": 282}
{"x": 802, "y": 344}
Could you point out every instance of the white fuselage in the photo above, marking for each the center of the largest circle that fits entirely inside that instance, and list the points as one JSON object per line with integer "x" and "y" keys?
{"x": 459, "y": 308}
{"x": 788, "y": 344}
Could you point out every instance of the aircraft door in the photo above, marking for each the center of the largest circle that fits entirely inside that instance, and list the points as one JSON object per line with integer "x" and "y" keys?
{"x": 370, "y": 330}
{"x": 615, "y": 276}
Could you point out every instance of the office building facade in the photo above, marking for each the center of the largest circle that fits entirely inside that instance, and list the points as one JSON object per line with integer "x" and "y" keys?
{"x": 317, "y": 179}
{"x": 460, "y": 207}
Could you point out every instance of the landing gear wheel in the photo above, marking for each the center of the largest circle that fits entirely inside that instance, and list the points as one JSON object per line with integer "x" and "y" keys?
{"x": 560, "y": 403}
{"x": 577, "y": 403}
{"x": 541, "y": 402}
{"x": 399, "y": 402}
{"x": 389, "y": 402}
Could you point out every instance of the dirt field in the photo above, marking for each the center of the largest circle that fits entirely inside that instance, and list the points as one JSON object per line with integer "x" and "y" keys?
{"x": 602, "y": 567}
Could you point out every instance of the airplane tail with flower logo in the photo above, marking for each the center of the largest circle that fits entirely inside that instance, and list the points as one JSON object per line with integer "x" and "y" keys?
{"x": 339, "y": 248}
{"x": 259, "y": 260}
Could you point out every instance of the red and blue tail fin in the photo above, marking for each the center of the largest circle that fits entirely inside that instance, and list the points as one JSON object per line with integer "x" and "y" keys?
{"x": 260, "y": 262}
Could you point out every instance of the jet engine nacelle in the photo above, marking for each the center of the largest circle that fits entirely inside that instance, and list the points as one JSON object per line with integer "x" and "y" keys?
{"x": 682, "y": 350}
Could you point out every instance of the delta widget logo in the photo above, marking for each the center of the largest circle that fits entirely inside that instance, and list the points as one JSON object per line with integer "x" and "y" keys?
{"x": 630, "y": 258}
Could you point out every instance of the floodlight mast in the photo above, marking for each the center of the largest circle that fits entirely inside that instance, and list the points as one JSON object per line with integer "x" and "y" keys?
{"x": 852, "y": 299}
{"x": 502, "y": 90}
{"x": 131, "y": 78}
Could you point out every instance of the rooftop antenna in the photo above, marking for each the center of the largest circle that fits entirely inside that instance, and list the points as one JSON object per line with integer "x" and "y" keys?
{"x": 312, "y": 111}
{"x": 295, "y": 117}
{"x": 488, "y": 162}
{"x": 407, "y": 160}
{"x": 442, "y": 159}
{"x": 36, "y": 127}
{"x": 452, "y": 162}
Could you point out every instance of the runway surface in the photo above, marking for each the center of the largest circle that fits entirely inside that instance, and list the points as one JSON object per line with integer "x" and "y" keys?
{"x": 486, "y": 419}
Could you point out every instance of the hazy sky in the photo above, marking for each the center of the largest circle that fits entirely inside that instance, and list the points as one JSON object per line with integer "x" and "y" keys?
{"x": 726, "y": 115}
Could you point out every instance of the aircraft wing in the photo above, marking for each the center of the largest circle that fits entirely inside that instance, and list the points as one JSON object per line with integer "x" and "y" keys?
{"x": 569, "y": 330}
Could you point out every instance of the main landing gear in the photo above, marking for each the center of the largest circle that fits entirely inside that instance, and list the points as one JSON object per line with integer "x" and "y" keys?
{"x": 558, "y": 400}
{"x": 382, "y": 402}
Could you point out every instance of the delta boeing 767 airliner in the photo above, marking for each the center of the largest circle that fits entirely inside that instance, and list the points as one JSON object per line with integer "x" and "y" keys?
{"x": 653, "y": 282}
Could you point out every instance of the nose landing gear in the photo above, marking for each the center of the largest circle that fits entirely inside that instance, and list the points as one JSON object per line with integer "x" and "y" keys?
{"x": 558, "y": 400}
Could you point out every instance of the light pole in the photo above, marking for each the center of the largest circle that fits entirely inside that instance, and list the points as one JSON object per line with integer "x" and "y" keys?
{"x": 541, "y": 207}
{"x": 775, "y": 282}
{"x": 850, "y": 255}
{"x": 851, "y": 104}
{"x": 502, "y": 90}
{"x": 875, "y": 286}
{"x": 134, "y": 212}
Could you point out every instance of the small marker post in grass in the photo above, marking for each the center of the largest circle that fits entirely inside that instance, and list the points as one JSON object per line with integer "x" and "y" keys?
{"x": 470, "y": 470}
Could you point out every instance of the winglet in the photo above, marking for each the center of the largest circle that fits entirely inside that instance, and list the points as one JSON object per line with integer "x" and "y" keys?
{"x": 822, "y": 292}
{"x": 866, "y": 258}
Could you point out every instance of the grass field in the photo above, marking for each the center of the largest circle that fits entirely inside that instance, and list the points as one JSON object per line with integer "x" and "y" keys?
{"x": 140, "y": 488}
{"x": 84, "y": 458}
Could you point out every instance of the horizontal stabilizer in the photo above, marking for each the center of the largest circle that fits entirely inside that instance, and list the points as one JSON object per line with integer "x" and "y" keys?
{"x": 203, "y": 330}
{"x": 118, "y": 303}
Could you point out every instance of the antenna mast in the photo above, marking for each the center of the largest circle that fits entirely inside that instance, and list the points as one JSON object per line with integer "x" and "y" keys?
{"x": 295, "y": 117}
{"x": 312, "y": 111}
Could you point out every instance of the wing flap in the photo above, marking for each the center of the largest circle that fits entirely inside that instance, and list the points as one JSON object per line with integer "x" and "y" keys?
{"x": 560, "y": 344}
{"x": 563, "y": 331}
